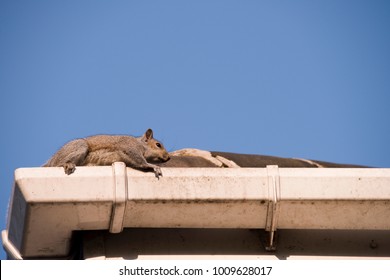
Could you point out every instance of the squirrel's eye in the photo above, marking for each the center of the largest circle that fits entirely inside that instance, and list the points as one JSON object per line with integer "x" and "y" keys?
{"x": 158, "y": 145}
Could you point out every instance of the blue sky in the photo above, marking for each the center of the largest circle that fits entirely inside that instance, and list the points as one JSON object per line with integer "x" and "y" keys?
{"x": 307, "y": 79}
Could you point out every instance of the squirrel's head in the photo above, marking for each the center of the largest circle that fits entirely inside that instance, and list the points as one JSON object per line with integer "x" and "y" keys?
{"x": 155, "y": 151}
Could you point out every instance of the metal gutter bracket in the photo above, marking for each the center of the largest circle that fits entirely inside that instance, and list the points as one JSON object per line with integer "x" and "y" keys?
{"x": 120, "y": 197}
{"x": 274, "y": 197}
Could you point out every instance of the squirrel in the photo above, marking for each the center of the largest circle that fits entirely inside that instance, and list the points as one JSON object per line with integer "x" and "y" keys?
{"x": 135, "y": 152}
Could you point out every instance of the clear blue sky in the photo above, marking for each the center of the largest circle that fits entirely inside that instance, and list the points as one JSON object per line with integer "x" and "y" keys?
{"x": 307, "y": 79}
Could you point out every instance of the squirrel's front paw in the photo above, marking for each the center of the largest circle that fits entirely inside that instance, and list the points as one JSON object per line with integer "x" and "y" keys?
{"x": 157, "y": 172}
{"x": 69, "y": 168}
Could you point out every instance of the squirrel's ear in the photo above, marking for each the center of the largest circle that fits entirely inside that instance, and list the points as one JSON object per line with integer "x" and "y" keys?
{"x": 148, "y": 134}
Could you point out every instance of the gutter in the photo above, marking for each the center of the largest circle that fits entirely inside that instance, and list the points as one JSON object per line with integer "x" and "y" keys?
{"x": 48, "y": 205}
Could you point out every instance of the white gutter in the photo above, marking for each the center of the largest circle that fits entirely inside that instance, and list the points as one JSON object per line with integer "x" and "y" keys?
{"x": 47, "y": 205}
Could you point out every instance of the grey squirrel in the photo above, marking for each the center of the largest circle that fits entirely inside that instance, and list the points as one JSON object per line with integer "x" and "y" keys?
{"x": 107, "y": 149}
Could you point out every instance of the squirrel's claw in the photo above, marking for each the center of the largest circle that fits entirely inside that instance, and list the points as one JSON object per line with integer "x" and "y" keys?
{"x": 157, "y": 172}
